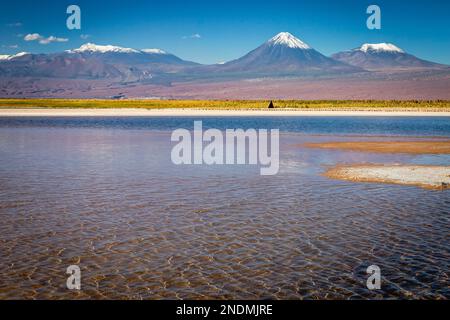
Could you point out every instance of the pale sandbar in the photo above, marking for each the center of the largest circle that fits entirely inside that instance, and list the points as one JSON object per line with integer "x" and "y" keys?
{"x": 428, "y": 177}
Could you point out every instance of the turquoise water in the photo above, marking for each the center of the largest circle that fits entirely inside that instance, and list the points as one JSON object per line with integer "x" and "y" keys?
{"x": 407, "y": 126}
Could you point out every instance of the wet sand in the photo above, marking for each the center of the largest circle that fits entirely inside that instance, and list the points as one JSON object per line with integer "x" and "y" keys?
{"x": 408, "y": 147}
{"x": 40, "y": 112}
{"x": 429, "y": 177}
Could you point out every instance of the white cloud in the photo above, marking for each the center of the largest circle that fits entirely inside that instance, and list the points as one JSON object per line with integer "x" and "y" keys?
{"x": 52, "y": 39}
{"x": 32, "y": 37}
{"x": 42, "y": 39}
{"x": 12, "y": 46}
{"x": 193, "y": 36}
{"x": 85, "y": 36}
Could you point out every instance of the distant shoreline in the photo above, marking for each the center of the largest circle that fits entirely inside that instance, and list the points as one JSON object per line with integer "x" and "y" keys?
{"x": 139, "y": 112}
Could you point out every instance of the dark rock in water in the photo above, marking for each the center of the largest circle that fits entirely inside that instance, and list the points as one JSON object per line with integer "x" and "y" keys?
{"x": 119, "y": 97}
{"x": 271, "y": 106}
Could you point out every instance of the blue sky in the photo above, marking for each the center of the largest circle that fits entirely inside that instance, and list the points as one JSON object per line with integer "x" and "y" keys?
{"x": 213, "y": 31}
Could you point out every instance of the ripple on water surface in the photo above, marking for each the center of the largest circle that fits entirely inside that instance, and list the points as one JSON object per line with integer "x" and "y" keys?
{"x": 139, "y": 227}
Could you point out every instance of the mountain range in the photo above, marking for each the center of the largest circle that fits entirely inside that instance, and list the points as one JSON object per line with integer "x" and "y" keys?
{"x": 92, "y": 61}
{"x": 283, "y": 56}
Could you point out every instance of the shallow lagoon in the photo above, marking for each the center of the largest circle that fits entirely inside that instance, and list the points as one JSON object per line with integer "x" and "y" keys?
{"x": 102, "y": 193}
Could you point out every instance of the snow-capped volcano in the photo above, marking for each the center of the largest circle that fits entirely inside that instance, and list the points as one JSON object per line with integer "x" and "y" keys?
{"x": 288, "y": 40}
{"x": 284, "y": 54}
{"x": 127, "y": 56}
{"x": 379, "y": 47}
{"x": 94, "y": 48}
{"x": 382, "y": 56}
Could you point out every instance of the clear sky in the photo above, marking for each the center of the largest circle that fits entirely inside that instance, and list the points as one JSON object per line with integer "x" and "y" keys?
{"x": 214, "y": 31}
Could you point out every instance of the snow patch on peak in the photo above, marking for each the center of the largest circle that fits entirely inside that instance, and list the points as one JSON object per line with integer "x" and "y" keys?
{"x": 20, "y": 54}
{"x": 380, "y": 47}
{"x": 154, "y": 51}
{"x": 288, "y": 40}
{"x": 10, "y": 57}
{"x": 94, "y": 48}
{"x": 91, "y": 47}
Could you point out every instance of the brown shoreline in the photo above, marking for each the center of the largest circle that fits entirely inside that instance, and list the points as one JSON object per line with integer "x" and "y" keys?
{"x": 409, "y": 147}
{"x": 179, "y": 112}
